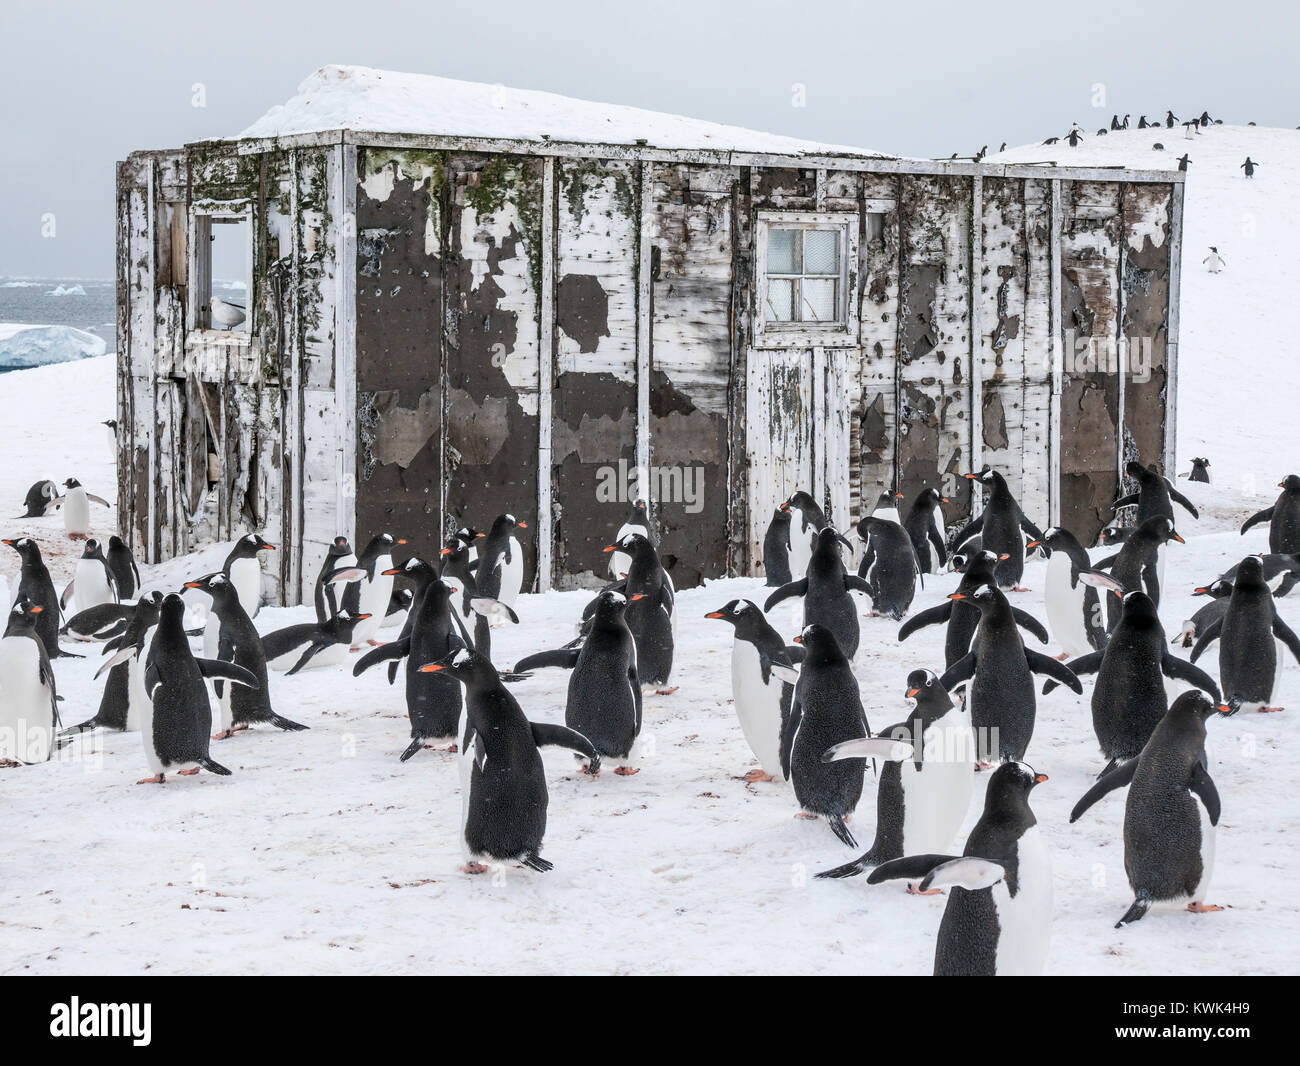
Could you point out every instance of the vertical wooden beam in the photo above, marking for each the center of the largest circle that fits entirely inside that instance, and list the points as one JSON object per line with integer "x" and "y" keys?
{"x": 545, "y": 377}
{"x": 294, "y": 400}
{"x": 1121, "y": 346}
{"x": 1170, "y": 457}
{"x": 819, "y": 191}
{"x": 976, "y": 335}
{"x": 345, "y": 333}
{"x": 643, "y": 362}
{"x": 154, "y": 534}
{"x": 821, "y": 415}
{"x": 1056, "y": 368}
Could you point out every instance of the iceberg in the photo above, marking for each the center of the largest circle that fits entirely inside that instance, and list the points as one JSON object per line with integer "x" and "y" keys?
{"x": 23, "y": 345}
{"x": 69, "y": 290}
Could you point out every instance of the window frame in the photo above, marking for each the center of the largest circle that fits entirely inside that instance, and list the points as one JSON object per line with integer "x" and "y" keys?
{"x": 843, "y": 331}
{"x": 202, "y": 213}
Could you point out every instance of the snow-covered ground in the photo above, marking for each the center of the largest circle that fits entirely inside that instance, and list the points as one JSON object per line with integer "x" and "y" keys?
{"x": 323, "y": 854}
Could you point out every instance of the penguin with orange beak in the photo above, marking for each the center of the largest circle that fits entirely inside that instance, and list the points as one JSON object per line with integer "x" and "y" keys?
{"x": 1136, "y": 566}
{"x": 1002, "y": 526}
{"x": 1283, "y": 518}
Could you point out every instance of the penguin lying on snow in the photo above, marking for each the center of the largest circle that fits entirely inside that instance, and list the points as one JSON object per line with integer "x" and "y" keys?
{"x": 826, "y": 592}
{"x": 1129, "y": 698}
{"x": 322, "y": 644}
{"x": 925, "y": 785}
{"x": 1281, "y": 572}
{"x": 1171, "y": 813}
{"x": 38, "y": 499}
{"x": 604, "y": 696}
{"x": 505, "y": 799}
{"x": 29, "y": 711}
{"x": 826, "y": 710}
{"x": 762, "y": 698}
{"x": 101, "y": 622}
{"x": 1247, "y": 654}
{"x": 998, "y": 919}
{"x": 1283, "y": 518}
{"x": 1218, "y": 591}
{"x": 1073, "y": 607}
{"x": 1001, "y": 525}
{"x": 889, "y": 566}
{"x": 119, "y": 706}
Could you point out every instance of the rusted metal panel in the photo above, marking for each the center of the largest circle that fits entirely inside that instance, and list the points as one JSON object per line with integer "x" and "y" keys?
{"x": 593, "y": 441}
{"x": 1090, "y": 394}
{"x": 1144, "y": 326}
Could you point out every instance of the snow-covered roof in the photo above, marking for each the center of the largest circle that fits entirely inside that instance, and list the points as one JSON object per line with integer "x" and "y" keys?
{"x": 362, "y": 99}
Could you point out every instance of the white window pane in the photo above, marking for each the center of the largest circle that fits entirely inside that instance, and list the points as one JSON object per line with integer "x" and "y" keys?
{"x": 780, "y": 300}
{"x": 783, "y": 251}
{"x": 819, "y": 303}
{"x": 821, "y": 251}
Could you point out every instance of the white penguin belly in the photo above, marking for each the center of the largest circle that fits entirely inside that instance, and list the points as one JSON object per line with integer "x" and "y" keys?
{"x": 935, "y": 800}
{"x": 90, "y": 585}
{"x": 1026, "y": 920}
{"x": 375, "y": 596}
{"x": 1065, "y": 607}
{"x": 758, "y": 707}
{"x": 246, "y": 576}
{"x": 800, "y": 544}
{"x": 211, "y": 648}
{"x": 76, "y": 512}
{"x": 26, "y": 721}
{"x": 620, "y": 561}
{"x": 331, "y": 656}
{"x": 512, "y": 574}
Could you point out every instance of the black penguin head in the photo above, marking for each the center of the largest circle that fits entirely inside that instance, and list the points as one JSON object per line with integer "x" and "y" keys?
{"x": 1160, "y": 529}
{"x": 799, "y": 499}
{"x": 217, "y": 585}
{"x": 986, "y": 598}
{"x": 111, "y": 423}
{"x": 506, "y": 522}
{"x": 633, "y": 544}
{"x": 978, "y": 573}
{"x": 1011, "y": 783}
{"x": 930, "y": 696}
{"x": 929, "y": 498}
{"x": 1137, "y": 471}
{"x": 467, "y": 667}
{"x": 1195, "y": 705}
{"x": 27, "y": 548}
{"x": 380, "y": 544}
{"x": 467, "y": 535}
{"x": 72, "y": 483}
{"x": 342, "y": 625}
{"x": 116, "y": 544}
{"x": 988, "y": 476}
{"x": 339, "y": 547}
{"x": 638, "y": 515}
{"x": 610, "y": 605}
{"x": 22, "y": 617}
{"x": 172, "y": 611}
{"x": 1290, "y": 484}
{"x": 742, "y": 614}
{"x": 829, "y": 541}
{"x": 888, "y": 499}
{"x": 1139, "y": 608}
{"x": 91, "y": 550}
{"x": 1250, "y": 571}
{"x": 249, "y": 545}
{"x": 1216, "y": 589}
{"x": 819, "y": 645}
{"x": 1112, "y": 535}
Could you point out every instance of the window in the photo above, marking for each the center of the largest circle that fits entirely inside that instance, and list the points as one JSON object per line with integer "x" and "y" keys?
{"x": 221, "y": 270}
{"x": 805, "y": 276}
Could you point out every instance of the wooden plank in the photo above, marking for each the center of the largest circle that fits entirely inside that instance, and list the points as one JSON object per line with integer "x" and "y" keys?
{"x": 1175, "y": 295}
{"x": 545, "y": 381}
{"x": 645, "y": 212}
{"x": 343, "y": 236}
{"x": 1056, "y": 369}
{"x": 976, "y": 363}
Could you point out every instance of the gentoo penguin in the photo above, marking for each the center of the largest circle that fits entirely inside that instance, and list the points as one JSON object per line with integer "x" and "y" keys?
{"x": 925, "y": 787}
{"x": 1073, "y": 606}
{"x": 29, "y": 712}
{"x": 924, "y": 526}
{"x": 34, "y": 584}
{"x": 102, "y": 622}
{"x": 1249, "y": 167}
{"x": 887, "y": 507}
{"x": 38, "y": 499}
{"x": 1001, "y": 526}
{"x": 368, "y": 598}
{"x": 505, "y": 812}
{"x": 1281, "y": 572}
{"x": 1218, "y": 590}
{"x": 1171, "y": 812}
{"x": 1129, "y": 698}
{"x": 421, "y": 575}
{"x": 776, "y": 550}
{"x": 92, "y": 582}
{"x": 1136, "y": 565}
{"x": 826, "y": 592}
{"x": 806, "y": 520}
{"x": 245, "y": 572}
{"x": 121, "y": 562}
{"x": 76, "y": 508}
{"x": 826, "y": 710}
{"x": 433, "y": 700}
{"x": 454, "y": 568}
{"x": 500, "y": 571}
{"x": 1170, "y": 119}
{"x": 962, "y": 616}
{"x": 649, "y": 612}
{"x": 998, "y": 919}
{"x": 999, "y": 668}
{"x": 1112, "y": 536}
{"x": 110, "y": 430}
{"x": 1156, "y": 495}
{"x": 604, "y": 697}
{"x": 239, "y": 644}
{"x": 339, "y": 556}
{"x": 889, "y": 566}
{"x": 119, "y": 706}
{"x": 1200, "y": 471}
{"x": 1247, "y": 654}
{"x": 762, "y": 698}
{"x": 638, "y": 521}
{"x": 310, "y": 644}
{"x": 1283, "y": 518}
{"x": 177, "y": 717}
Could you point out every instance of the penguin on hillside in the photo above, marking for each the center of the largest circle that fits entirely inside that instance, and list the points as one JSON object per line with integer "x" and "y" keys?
{"x": 93, "y": 582}
{"x": 34, "y": 584}
{"x": 1070, "y": 596}
{"x": 998, "y": 918}
{"x": 29, "y": 710}
{"x": 1171, "y": 813}
{"x": 826, "y": 590}
{"x": 1283, "y": 518}
{"x": 1002, "y": 526}
{"x": 38, "y": 499}
{"x": 924, "y": 526}
{"x": 776, "y": 550}
{"x": 889, "y": 566}
{"x": 75, "y": 504}
{"x": 126, "y": 575}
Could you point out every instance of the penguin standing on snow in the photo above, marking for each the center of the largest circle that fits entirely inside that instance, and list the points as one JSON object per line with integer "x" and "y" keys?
{"x": 1171, "y": 813}
{"x": 177, "y": 717}
{"x": 500, "y": 572}
{"x": 826, "y": 711}
{"x": 806, "y": 520}
{"x": 245, "y": 572}
{"x": 604, "y": 697}
{"x": 126, "y": 575}
{"x": 1249, "y": 167}
{"x": 504, "y": 812}
{"x": 889, "y": 566}
{"x": 1247, "y": 654}
{"x": 34, "y": 584}
{"x": 1283, "y": 518}
{"x": 1281, "y": 572}
{"x": 886, "y": 507}
{"x": 1129, "y": 700}
{"x": 925, "y": 786}
{"x": 38, "y": 499}
{"x": 826, "y": 592}
{"x": 310, "y": 644}
{"x": 762, "y": 697}
{"x": 76, "y": 509}
{"x": 998, "y": 919}
{"x": 1219, "y": 591}
{"x": 29, "y": 711}
{"x": 92, "y": 582}
{"x": 421, "y": 575}
{"x": 339, "y": 556}
{"x": 1200, "y": 471}
{"x": 1000, "y": 670}
{"x": 638, "y": 521}
{"x": 370, "y": 596}
{"x": 1073, "y": 606}
{"x": 776, "y": 550}
{"x": 1001, "y": 526}
{"x": 962, "y": 615}
{"x": 649, "y": 612}
{"x": 123, "y": 696}
{"x": 1136, "y": 566}
{"x": 924, "y": 526}
{"x": 240, "y": 644}
{"x": 1156, "y": 495}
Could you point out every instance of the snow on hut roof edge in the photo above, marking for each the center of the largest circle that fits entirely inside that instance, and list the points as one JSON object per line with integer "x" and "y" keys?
{"x": 365, "y": 100}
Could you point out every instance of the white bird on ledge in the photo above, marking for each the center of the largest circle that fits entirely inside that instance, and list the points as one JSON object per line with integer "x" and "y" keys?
{"x": 226, "y": 314}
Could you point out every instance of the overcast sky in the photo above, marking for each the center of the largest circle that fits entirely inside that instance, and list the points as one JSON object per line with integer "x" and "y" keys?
{"x": 83, "y": 84}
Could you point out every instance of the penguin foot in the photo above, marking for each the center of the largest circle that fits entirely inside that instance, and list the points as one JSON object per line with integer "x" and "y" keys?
{"x": 912, "y": 890}
{"x": 757, "y": 775}
{"x": 1020, "y": 588}
{"x": 474, "y": 868}
{"x": 671, "y": 689}
{"x": 157, "y": 779}
{"x": 627, "y": 771}
{"x": 223, "y": 735}
{"x": 589, "y": 771}
{"x": 1271, "y": 710}
{"x": 239, "y": 728}
{"x": 9, "y": 764}
{"x": 373, "y": 644}
{"x": 1062, "y": 657}
{"x": 810, "y": 817}
{"x": 188, "y": 773}
{"x": 1203, "y": 908}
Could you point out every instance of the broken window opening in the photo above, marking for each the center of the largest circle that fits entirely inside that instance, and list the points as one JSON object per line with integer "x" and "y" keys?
{"x": 222, "y": 272}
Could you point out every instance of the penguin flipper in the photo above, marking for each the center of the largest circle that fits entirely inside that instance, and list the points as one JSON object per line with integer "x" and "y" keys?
{"x": 1202, "y": 785}
{"x": 795, "y": 588}
{"x": 67, "y": 594}
{"x": 1045, "y": 664}
{"x": 969, "y": 872}
{"x": 213, "y": 668}
{"x": 535, "y": 862}
{"x": 284, "y": 723}
{"x": 853, "y": 583}
{"x": 564, "y": 658}
{"x": 911, "y": 867}
{"x": 941, "y": 553}
{"x": 1182, "y": 500}
{"x": 549, "y": 734}
{"x": 1120, "y": 776}
{"x": 1286, "y": 635}
{"x": 398, "y": 649}
{"x": 1034, "y": 532}
{"x": 789, "y": 727}
{"x": 1025, "y": 620}
{"x": 1131, "y": 500}
{"x": 1084, "y": 664}
{"x": 314, "y": 648}
{"x": 931, "y": 616}
{"x": 1207, "y": 638}
{"x": 882, "y": 747}
{"x": 975, "y": 525}
{"x": 1180, "y": 670}
{"x": 488, "y": 607}
{"x": 796, "y": 653}
{"x": 962, "y": 670}
{"x": 1136, "y": 912}
{"x": 1265, "y": 515}
{"x": 98, "y": 499}
{"x": 836, "y": 822}
{"x": 849, "y": 869}
{"x": 212, "y": 767}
